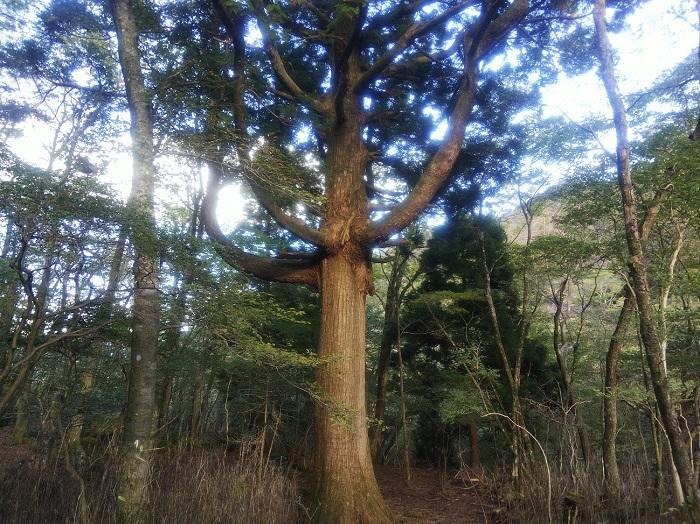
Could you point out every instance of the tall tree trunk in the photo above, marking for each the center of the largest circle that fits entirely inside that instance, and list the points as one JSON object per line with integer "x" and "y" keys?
{"x": 132, "y": 500}
{"x": 611, "y": 475}
{"x": 346, "y": 489}
{"x": 402, "y": 397}
{"x": 638, "y": 273}
{"x": 511, "y": 373}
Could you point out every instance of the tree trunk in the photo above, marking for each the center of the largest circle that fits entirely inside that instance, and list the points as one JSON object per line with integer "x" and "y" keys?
{"x": 197, "y": 408}
{"x": 75, "y": 429}
{"x": 611, "y": 472}
{"x": 346, "y": 490}
{"x": 19, "y": 432}
{"x": 638, "y": 273}
{"x": 610, "y": 394}
{"x": 132, "y": 499}
{"x": 402, "y": 396}
{"x": 163, "y": 398}
{"x": 474, "y": 455}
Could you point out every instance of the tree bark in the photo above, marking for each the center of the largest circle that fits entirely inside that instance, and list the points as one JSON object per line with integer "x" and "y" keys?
{"x": 474, "y": 454}
{"x": 610, "y": 394}
{"x": 346, "y": 489}
{"x": 611, "y": 472}
{"x": 638, "y": 273}
{"x": 132, "y": 499}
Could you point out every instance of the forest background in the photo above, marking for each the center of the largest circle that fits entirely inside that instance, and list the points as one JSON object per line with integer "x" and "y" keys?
{"x": 426, "y": 262}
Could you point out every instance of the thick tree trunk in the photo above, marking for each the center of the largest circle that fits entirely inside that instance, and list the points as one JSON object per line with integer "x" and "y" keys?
{"x": 638, "y": 273}
{"x": 132, "y": 499}
{"x": 346, "y": 490}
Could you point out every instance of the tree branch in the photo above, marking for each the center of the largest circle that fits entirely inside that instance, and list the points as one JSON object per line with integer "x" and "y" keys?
{"x": 437, "y": 170}
{"x": 412, "y": 33}
{"x": 478, "y": 42}
{"x": 294, "y": 225}
{"x": 497, "y": 29}
{"x": 288, "y": 270}
{"x": 318, "y": 104}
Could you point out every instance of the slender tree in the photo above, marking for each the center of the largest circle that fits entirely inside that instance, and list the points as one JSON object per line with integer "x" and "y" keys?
{"x": 136, "y": 441}
{"x": 612, "y": 362}
{"x": 638, "y": 273}
{"x": 392, "y": 305}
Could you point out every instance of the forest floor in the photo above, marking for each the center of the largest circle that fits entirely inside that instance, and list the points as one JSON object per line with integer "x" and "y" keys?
{"x": 12, "y": 454}
{"x": 433, "y": 498}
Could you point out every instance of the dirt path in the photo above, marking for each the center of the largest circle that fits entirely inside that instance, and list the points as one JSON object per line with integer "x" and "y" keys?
{"x": 428, "y": 501}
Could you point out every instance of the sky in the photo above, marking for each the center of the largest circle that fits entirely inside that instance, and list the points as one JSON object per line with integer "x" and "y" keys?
{"x": 659, "y": 35}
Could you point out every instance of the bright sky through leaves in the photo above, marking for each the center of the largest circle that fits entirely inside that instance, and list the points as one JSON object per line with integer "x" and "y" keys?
{"x": 658, "y": 36}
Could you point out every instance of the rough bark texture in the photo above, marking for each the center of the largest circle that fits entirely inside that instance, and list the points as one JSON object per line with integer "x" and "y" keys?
{"x": 637, "y": 271}
{"x": 132, "y": 500}
{"x": 346, "y": 489}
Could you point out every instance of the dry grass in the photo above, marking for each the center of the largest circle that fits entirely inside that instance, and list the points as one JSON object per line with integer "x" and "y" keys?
{"x": 578, "y": 496}
{"x": 189, "y": 485}
{"x": 212, "y": 486}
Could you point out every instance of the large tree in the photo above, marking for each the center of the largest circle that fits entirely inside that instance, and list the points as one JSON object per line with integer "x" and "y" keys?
{"x": 360, "y": 88}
